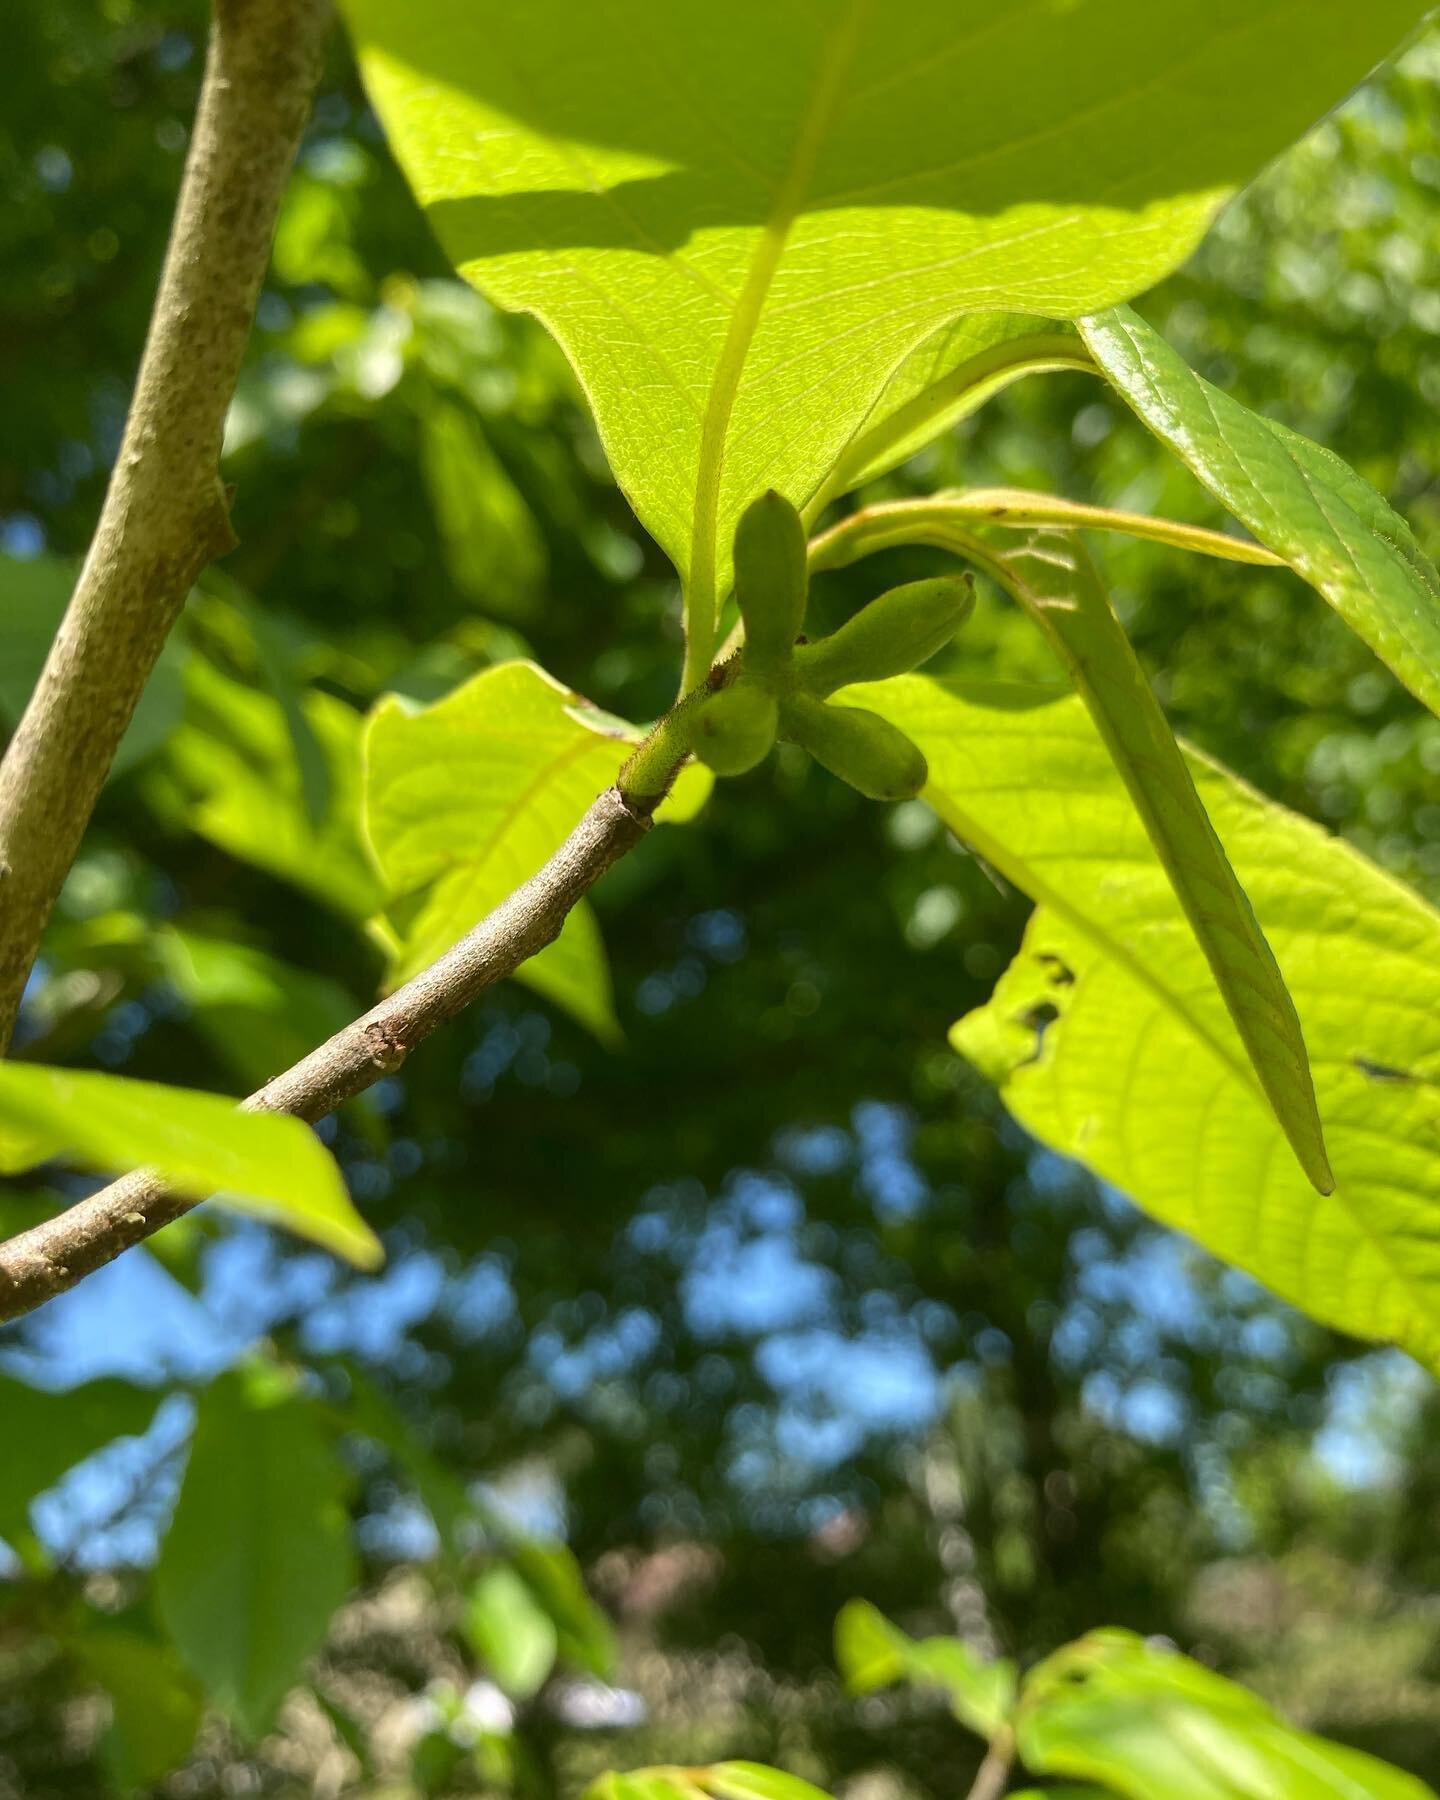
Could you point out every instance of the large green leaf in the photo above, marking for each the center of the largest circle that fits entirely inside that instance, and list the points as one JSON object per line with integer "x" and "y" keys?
{"x": 272, "y": 1167}
{"x": 1297, "y": 497}
{"x": 45, "y": 1433}
{"x": 465, "y": 799}
{"x": 1110, "y": 1041}
{"x": 872, "y": 1653}
{"x": 1147, "y": 1721}
{"x": 740, "y": 220}
{"x": 258, "y": 1555}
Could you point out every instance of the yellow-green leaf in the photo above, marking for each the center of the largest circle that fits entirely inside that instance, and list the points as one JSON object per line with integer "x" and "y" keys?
{"x": 1147, "y": 1721}
{"x": 1109, "y": 1039}
{"x": 1296, "y": 496}
{"x": 740, "y": 221}
{"x": 264, "y": 1164}
{"x": 465, "y": 799}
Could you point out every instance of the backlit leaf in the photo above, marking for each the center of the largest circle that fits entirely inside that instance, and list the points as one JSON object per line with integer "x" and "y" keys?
{"x": 1296, "y": 496}
{"x": 465, "y": 799}
{"x": 1109, "y": 1040}
{"x": 264, "y": 1164}
{"x": 1147, "y": 1721}
{"x": 873, "y": 1653}
{"x": 510, "y": 1631}
{"x": 739, "y": 221}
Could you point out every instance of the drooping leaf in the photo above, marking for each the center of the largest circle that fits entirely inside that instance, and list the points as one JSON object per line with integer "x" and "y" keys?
{"x": 155, "y": 1707}
{"x": 1062, "y": 586}
{"x": 258, "y": 1556}
{"x": 34, "y": 593}
{"x": 45, "y": 1433}
{"x": 264, "y": 1164}
{"x": 510, "y": 1631}
{"x": 1110, "y": 1042}
{"x": 1296, "y": 496}
{"x": 872, "y": 1653}
{"x": 1056, "y": 580}
{"x": 740, "y": 222}
{"x": 1147, "y": 1721}
{"x": 465, "y": 799}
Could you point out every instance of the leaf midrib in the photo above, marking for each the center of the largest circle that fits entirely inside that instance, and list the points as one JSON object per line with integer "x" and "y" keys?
{"x": 819, "y": 109}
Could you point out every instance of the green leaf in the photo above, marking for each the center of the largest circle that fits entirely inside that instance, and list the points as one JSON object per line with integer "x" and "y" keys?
{"x": 45, "y": 1433}
{"x": 511, "y": 1632}
{"x": 260, "y": 1014}
{"x": 155, "y": 1708}
{"x": 647, "y": 1784}
{"x": 1110, "y": 1042}
{"x": 754, "y": 1781}
{"x": 465, "y": 799}
{"x": 950, "y": 376}
{"x": 1069, "y": 1791}
{"x": 231, "y": 774}
{"x": 1297, "y": 497}
{"x": 872, "y": 1653}
{"x": 1148, "y": 1721}
{"x": 585, "y": 1635}
{"x": 258, "y": 1555}
{"x": 34, "y": 593}
{"x": 264, "y": 1164}
{"x": 493, "y": 546}
{"x": 740, "y": 233}
{"x": 1059, "y": 582}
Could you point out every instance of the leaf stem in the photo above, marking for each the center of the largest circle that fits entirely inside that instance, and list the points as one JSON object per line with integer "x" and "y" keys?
{"x": 993, "y": 1774}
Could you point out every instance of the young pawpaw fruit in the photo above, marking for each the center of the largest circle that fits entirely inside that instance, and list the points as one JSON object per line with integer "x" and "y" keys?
{"x": 735, "y": 729}
{"x": 771, "y": 580}
{"x": 896, "y": 632}
{"x": 860, "y": 747}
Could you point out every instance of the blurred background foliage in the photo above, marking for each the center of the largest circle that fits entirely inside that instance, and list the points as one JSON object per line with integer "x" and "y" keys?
{"x": 769, "y": 1306}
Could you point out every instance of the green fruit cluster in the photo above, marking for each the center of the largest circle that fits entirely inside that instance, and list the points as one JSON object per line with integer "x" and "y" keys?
{"x": 783, "y": 688}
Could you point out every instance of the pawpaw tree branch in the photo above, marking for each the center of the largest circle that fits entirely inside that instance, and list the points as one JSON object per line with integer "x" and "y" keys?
{"x": 165, "y": 515}
{"x": 51, "y": 1257}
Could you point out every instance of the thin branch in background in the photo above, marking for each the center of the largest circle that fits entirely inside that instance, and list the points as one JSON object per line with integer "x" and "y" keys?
{"x": 165, "y": 515}
{"x": 52, "y": 1257}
